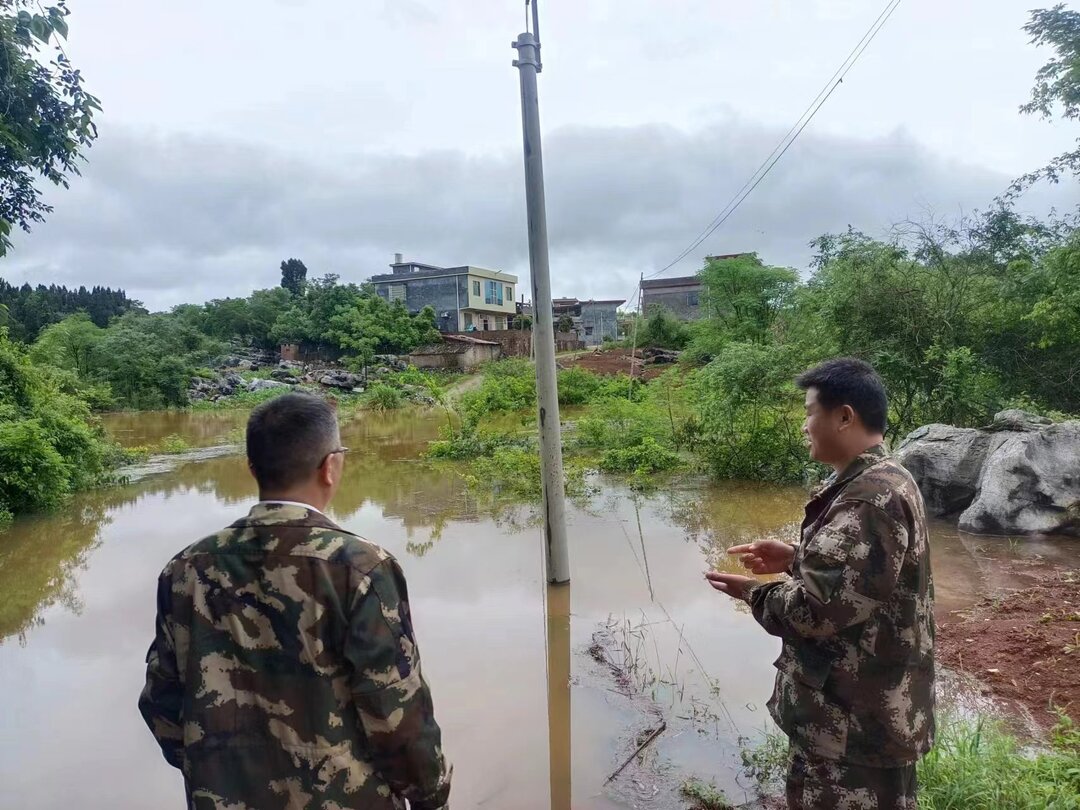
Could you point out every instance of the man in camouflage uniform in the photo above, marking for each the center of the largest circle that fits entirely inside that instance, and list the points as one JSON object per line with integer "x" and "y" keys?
{"x": 284, "y": 672}
{"x": 855, "y": 683}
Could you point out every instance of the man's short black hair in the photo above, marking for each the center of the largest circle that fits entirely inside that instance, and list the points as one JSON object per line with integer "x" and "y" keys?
{"x": 849, "y": 381}
{"x": 288, "y": 437}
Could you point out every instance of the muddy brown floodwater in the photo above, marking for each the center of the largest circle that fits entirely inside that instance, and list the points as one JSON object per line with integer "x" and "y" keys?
{"x": 636, "y": 641}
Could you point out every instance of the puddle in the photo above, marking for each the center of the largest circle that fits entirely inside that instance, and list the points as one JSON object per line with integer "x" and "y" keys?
{"x": 78, "y": 601}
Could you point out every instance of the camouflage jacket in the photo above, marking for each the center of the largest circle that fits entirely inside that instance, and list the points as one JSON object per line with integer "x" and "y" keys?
{"x": 284, "y": 672}
{"x": 855, "y": 678}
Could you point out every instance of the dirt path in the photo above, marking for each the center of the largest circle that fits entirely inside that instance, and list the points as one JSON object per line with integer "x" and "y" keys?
{"x": 470, "y": 383}
{"x": 1023, "y": 643}
{"x": 613, "y": 361}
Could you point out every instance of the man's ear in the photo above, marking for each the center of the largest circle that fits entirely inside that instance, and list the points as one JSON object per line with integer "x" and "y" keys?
{"x": 326, "y": 472}
{"x": 847, "y": 416}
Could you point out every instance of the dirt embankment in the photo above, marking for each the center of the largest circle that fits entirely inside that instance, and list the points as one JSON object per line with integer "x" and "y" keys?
{"x": 1023, "y": 644}
{"x": 618, "y": 361}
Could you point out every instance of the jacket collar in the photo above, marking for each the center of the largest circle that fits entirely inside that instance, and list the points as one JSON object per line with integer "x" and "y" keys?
{"x": 286, "y": 514}
{"x": 862, "y": 462}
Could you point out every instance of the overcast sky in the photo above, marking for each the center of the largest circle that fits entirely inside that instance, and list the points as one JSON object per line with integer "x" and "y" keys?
{"x": 236, "y": 134}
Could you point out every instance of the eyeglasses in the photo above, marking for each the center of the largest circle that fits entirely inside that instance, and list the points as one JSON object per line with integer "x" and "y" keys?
{"x": 341, "y": 450}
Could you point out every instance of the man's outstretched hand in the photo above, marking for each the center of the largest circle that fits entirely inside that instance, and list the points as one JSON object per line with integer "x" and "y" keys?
{"x": 765, "y": 556}
{"x": 735, "y": 586}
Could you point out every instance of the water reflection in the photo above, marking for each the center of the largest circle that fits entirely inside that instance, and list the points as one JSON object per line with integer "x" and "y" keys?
{"x": 77, "y": 592}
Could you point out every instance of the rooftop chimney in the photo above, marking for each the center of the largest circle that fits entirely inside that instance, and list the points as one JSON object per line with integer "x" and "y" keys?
{"x": 397, "y": 258}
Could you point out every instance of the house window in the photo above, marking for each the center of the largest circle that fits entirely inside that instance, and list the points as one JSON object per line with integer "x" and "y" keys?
{"x": 588, "y": 330}
{"x": 476, "y": 288}
{"x": 509, "y": 293}
{"x": 692, "y": 299}
{"x": 397, "y": 293}
{"x": 468, "y": 319}
{"x": 493, "y": 293}
{"x": 486, "y": 324}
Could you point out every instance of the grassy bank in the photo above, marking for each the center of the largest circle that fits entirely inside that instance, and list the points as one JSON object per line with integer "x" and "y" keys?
{"x": 976, "y": 764}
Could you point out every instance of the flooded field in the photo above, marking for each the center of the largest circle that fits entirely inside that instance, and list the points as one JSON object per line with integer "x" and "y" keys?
{"x": 531, "y": 719}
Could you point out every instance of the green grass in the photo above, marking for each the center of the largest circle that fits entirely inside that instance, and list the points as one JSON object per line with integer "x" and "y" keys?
{"x": 704, "y": 796}
{"x": 173, "y": 444}
{"x": 382, "y": 397}
{"x": 241, "y": 400}
{"x": 978, "y": 765}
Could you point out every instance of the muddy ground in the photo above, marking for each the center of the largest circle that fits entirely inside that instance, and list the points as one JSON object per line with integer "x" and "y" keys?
{"x": 615, "y": 361}
{"x": 1022, "y": 643}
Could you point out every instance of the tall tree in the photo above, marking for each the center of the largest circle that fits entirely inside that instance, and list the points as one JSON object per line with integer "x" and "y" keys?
{"x": 293, "y": 275}
{"x": 48, "y": 118}
{"x": 1057, "y": 85}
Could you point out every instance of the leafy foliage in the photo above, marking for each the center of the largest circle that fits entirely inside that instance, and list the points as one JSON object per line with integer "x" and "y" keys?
{"x": 648, "y": 456}
{"x": 49, "y": 445}
{"x": 26, "y": 310}
{"x": 293, "y": 276}
{"x": 1057, "y": 85}
{"x": 48, "y": 116}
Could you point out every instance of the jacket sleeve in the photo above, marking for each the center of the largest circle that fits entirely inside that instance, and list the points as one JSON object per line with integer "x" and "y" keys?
{"x": 390, "y": 693}
{"x": 162, "y": 699}
{"x": 848, "y": 569}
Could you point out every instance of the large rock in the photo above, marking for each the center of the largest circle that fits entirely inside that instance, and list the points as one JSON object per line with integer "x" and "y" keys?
{"x": 1030, "y": 484}
{"x": 341, "y": 379}
{"x": 946, "y": 462}
{"x": 1020, "y": 475}
{"x": 262, "y": 385}
{"x": 284, "y": 375}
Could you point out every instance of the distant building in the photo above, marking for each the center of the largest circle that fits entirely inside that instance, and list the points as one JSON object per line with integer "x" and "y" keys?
{"x": 682, "y": 296}
{"x": 464, "y": 298}
{"x": 456, "y": 352}
{"x": 592, "y": 320}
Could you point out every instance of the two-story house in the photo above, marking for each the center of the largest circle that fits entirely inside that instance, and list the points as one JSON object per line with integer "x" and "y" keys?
{"x": 464, "y": 298}
{"x": 592, "y": 320}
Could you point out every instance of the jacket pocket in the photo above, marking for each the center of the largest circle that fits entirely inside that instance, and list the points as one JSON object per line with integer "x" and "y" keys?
{"x": 803, "y": 706}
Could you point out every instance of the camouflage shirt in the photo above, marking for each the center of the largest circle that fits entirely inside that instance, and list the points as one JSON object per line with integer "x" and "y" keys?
{"x": 855, "y": 679}
{"x": 284, "y": 672}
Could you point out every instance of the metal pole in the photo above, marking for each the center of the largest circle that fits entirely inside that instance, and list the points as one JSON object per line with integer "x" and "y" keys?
{"x": 547, "y": 394}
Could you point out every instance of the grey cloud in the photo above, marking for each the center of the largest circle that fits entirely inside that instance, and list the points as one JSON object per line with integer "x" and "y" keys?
{"x": 183, "y": 218}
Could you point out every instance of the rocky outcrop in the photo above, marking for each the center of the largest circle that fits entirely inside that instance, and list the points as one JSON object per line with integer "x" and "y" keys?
{"x": 342, "y": 380}
{"x": 1019, "y": 475}
{"x": 263, "y": 385}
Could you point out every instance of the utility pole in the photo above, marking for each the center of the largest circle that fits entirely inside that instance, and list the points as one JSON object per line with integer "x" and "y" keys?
{"x": 547, "y": 394}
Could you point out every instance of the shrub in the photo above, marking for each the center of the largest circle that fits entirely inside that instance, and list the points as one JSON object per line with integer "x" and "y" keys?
{"x": 750, "y": 416}
{"x": 174, "y": 443}
{"x": 49, "y": 444}
{"x": 647, "y": 457}
{"x": 382, "y": 397}
{"x": 470, "y": 443}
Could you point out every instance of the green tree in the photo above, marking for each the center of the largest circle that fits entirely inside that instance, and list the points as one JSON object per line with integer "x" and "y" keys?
{"x": 265, "y": 307}
{"x": 293, "y": 276}
{"x": 1057, "y": 84}
{"x": 69, "y": 344}
{"x": 48, "y": 118}
{"x": 662, "y": 330}
{"x": 370, "y": 325}
{"x": 228, "y": 318}
{"x": 49, "y": 444}
{"x": 744, "y": 298}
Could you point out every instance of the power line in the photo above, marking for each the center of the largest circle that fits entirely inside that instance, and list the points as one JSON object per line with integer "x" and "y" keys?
{"x": 792, "y": 135}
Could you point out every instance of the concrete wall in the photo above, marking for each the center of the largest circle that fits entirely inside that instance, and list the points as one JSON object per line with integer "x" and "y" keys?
{"x": 442, "y": 293}
{"x": 518, "y": 343}
{"x": 472, "y": 357}
{"x": 684, "y": 302}
{"x": 601, "y": 320}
